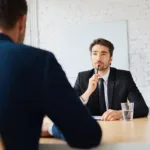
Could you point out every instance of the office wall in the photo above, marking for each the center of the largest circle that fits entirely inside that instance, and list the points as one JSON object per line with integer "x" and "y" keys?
{"x": 71, "y": 45}
{"x": 136, "y": 12}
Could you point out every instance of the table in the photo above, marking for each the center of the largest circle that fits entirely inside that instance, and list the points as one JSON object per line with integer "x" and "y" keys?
{"x": 120, "y": 131}
{"x": 114, "y": 132}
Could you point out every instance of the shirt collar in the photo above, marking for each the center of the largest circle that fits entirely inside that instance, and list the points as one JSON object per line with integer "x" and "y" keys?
{"x": 105, "y": 77}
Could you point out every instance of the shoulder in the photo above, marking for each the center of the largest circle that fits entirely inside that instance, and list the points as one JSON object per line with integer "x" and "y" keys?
{"x": 86, "y": 73}
{"x": 120, "y": 72}
{"x": 31, "y": 51}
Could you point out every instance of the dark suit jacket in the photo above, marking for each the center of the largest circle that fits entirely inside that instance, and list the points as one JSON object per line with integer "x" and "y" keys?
{"x": 120, "y": 87}
{"x": 33, "y": 84}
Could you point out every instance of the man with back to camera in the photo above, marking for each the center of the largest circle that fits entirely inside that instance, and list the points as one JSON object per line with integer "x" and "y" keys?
{"x": 32, "y": 85}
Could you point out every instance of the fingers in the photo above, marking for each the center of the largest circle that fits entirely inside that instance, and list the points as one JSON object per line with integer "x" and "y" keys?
{"x": 94, "y": 78}
{"x": 110, "y": 115}
{"x": 106, "y": 115}
{"x": 93, "y": 81}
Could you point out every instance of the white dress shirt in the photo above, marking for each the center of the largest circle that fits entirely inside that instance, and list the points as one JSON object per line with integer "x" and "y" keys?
{"x": 105, "y": 78}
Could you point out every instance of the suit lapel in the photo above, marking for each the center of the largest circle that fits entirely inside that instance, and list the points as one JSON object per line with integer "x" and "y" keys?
{"x": 110, "y": 86}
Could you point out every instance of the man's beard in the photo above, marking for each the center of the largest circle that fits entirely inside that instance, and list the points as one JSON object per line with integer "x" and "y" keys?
{"x": 103, "y": 68}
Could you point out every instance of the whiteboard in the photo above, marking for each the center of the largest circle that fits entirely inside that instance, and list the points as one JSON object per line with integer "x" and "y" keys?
{"x": 71, "y": 45}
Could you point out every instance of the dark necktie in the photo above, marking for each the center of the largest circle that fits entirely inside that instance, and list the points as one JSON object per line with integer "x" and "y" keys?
{"x": 102, "y": 97}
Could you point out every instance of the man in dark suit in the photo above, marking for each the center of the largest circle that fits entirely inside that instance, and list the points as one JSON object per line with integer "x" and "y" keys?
{"x": 32, "y": 85}
{"x": 103, "y": 88}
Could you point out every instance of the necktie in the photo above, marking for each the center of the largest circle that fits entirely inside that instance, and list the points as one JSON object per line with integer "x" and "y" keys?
{"x": 102, "y": 97}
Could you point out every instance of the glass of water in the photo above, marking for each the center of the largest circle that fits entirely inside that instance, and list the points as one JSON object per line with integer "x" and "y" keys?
{"x": 127, "y": 111}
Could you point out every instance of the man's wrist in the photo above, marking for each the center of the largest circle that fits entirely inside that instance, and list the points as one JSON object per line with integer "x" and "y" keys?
{"x": 88, "y": 92}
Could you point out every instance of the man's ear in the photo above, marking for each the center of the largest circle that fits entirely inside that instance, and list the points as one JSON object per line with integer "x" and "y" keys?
{"x": 111, "y": 58}
{"x": 22, "y": 24}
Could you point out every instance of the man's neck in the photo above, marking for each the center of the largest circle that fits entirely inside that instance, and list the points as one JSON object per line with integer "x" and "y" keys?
{"x": 9, "y": 33}
{"x": 103, "y": 72}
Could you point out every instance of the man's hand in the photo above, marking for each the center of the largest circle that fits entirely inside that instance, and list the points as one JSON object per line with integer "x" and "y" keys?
{"x": 47, "y": 123}
{"x": 93, "y": 81}
{"x": 111, "y": 115}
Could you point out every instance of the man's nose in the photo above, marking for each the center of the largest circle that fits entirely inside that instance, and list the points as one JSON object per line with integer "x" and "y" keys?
{"x": 99, "y": 58}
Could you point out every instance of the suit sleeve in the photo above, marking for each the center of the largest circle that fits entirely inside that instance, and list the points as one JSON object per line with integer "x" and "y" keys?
{"x": 77, "y": 86}
{"x": 64, "y": 108}
{"x": 134, "y": 95}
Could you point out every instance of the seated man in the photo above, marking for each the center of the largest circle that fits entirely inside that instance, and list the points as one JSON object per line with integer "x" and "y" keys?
{"x": 103, "y": 88}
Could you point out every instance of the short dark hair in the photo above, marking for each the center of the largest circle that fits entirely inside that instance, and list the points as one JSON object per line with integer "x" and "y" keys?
{"x": 11, "y": 11}
{"x": 103, "y": 42}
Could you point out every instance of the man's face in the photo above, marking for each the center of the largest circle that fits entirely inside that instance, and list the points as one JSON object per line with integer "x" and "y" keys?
{"x": 100, "y": 56}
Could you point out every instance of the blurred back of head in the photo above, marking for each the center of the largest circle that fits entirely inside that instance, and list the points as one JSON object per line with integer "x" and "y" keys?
{"x": 11, "y": 11}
